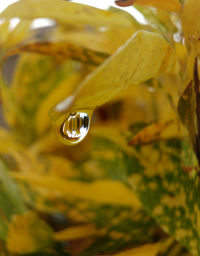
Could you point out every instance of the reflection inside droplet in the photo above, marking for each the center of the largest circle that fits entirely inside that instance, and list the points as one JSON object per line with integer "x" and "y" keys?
{"x": 75, "y": 127}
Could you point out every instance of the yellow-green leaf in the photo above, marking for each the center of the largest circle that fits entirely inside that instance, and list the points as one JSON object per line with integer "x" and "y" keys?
{"x": 157, "y": 131}
{"x": 99, "y": 191}
{"x": 28, "y": 233}
{"x": 144, "y": 56}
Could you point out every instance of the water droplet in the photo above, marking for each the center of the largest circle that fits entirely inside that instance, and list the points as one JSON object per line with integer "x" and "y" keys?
{"x": 75, "y": 128}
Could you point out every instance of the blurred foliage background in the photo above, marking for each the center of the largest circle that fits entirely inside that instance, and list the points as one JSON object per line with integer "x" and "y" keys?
{"x": 131, "y": 187}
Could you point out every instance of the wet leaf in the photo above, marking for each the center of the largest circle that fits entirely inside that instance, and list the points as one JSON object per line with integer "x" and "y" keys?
{"x": 144, "y": 56}
{"x": 131, "y": 188}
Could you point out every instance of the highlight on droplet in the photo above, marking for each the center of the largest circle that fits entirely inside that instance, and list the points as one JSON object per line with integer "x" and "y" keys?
{"x": 75, "y": 128}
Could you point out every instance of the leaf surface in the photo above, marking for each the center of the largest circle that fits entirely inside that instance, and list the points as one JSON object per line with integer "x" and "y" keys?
{"x": 144, "y": 56}
{"x": 35, "y": 234}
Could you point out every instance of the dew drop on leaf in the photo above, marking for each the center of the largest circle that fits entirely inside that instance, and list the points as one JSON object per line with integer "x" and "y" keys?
{"x": 75, "y": 128}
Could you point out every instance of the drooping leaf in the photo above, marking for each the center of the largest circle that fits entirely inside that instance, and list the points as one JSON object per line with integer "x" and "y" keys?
{"x": 144, "y": 56}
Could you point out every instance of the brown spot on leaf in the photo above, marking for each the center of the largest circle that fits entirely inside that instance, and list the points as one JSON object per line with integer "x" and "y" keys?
{"x": 124, "y": 3}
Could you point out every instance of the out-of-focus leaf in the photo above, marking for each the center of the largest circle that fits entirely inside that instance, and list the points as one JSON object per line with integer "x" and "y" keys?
{"x": 175, "y": 207}
{"x": 62, "y": 50}
{"x": 10, "y": 200}
{"x": 186, "y": 110}
{"x": 57, "y": 9}
{"x": 35, "y": 234}
{"x": 77, "y": 232}
{"x": 22, "y": 102}
{"x": 170, "y": 5}
{"x": 10, "y": 196}
{"x": 103, "y": 39}
{"x": 165, "y": 190}
{"x": 119, "y": 221}
{"x": 167, "y": 247}
{"x": 190, "y": 19}
{"x": 144, "y": 56}
{"x": 12, "y": 36}
{"x": 160, "y": 19}
{"x": 99, "y": 191}
{"x": 156, "y": 132}
{"x": 65, "y": 87}
{"x": 147, "y": 249}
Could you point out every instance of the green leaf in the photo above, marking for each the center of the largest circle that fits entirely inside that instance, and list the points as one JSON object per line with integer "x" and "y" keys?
{"x": 11, "y": 200}
{"x": 27, "y": 101}
{"x": 158, "y": 176}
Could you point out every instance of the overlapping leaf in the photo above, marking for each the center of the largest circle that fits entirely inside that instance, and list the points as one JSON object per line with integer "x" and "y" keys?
{"x": 114, "y": 196}
{"x": 144, "y": 56}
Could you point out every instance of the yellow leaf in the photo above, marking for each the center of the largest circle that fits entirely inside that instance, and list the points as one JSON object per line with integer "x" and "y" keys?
{"x": 144, "y": 56}
{"x": 169, "y": 5}
{"x": 12, "y": 36}
{"x": 57, "y": 9}
{"x": 98, "y": 191}
{"x": 191, "y": 19}
{"x": 157, "y": 131}
{"x": 27, "y": 233}
{"x": 77, "y": 232}
{"x": 147, "y": 249}
{"x": 62, "y": 50}
{"x": 65, "y": 88}
{"x": 106, "y": 41}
